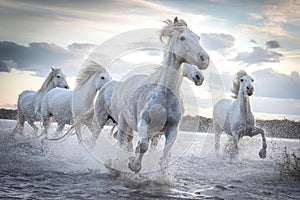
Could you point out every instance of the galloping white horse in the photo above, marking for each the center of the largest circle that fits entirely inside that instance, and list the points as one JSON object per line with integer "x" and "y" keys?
{"x": 29, "y": 102}
{"x": 153, "y": 105}
{"x": 65, "y": 105}
{"x": 235, "y": 117}
{"x": 104, "y": 108}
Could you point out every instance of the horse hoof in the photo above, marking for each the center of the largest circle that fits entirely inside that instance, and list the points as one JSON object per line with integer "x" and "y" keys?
{"x": 262, "y": 153}
{"x": 134, "y": 168}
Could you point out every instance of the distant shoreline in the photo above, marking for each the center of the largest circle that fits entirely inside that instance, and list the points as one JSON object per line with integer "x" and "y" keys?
{"x": 274, "y": 128}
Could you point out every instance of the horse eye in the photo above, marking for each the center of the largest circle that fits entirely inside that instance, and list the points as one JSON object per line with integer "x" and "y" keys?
{"x": 242, "y": 80}
{"x": 102, "y": 77}
{"x": 252, "y": 80}
{"x": 58, "y": 76}
{"x": 182, "y": 38}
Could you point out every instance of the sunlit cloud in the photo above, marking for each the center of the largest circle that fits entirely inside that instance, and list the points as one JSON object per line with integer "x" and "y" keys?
{"x": 217, "y": 41}
{"x": 273, "y": 18}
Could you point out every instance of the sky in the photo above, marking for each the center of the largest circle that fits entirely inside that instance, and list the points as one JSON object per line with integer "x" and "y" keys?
{"x": 259, "y": 36}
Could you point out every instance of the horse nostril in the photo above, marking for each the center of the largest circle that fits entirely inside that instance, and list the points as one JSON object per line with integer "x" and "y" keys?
{"x": 197, "y": 76}
{"x": 202, "y": 58}
{"x": 66, "y": 87}
{"x": 247, "y": 88}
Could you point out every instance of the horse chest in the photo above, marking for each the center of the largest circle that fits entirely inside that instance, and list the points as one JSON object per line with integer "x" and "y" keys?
{"x": 244, "y": 126}
{"x": 169, "y": 103}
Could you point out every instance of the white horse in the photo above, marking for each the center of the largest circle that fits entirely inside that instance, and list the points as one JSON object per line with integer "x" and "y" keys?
{"x": 153, "y": 105}
{"x": 235, "y": 117}
{"x": 189, "y": 71}
{"x": 29, "y": 102}
{"x": 65, "y": 105}
{"x": 103, "y": 102}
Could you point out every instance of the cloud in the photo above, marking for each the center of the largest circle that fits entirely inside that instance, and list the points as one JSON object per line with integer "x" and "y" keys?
{"x": 217, "y": 41}
{"x": 253, "y": 41}
{"x": 274, "y": 19}
{"x": 258, "y": 55}
{"x": 39, "y": 56}
{"x": 272, "y": 44}
{"x": 269, "y": 83}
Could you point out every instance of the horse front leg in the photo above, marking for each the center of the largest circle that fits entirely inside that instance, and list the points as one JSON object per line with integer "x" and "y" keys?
{"x": 218, "y": 133}
{"x": 154, "y": 141}
{"x": 135, "y": 163}
{"x": 235, "y": 151}
{"x": 171, "y": 135}
{"x": 255, "y": 131}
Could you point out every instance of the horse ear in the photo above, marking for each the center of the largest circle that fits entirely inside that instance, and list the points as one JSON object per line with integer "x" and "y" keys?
{"x": 175, "y": 20}
{"x": 52, "y": 68}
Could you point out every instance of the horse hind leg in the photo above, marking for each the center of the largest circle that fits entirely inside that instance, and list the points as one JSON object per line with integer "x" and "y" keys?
{"x": 19, "y": 126}
{"x": 31, "y": 123}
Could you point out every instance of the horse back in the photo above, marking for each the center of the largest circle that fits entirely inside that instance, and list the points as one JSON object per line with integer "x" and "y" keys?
{"x": 26, "y": 97}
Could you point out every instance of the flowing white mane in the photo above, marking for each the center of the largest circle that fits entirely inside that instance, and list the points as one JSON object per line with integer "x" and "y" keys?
{"x": 170, "y": 29}
{"x": 48, "y": 80}
{"x": 236, "y": 83}
{"x": 86, "y": 72}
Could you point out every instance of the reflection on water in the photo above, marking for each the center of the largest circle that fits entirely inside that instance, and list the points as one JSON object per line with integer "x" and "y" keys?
{"x": 31, "y": 169}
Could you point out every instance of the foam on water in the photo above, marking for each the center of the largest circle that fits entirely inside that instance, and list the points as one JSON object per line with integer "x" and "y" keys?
{"x": 31, "y": 169}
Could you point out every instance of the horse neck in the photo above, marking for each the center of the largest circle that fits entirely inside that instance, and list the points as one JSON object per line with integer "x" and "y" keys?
{"x": 49, "y": 87}
{"x": 244, "y": 103}
{"x": 185, "y": 71}
{"x": 86, "y": 93}
{"x": 171, "y": 75}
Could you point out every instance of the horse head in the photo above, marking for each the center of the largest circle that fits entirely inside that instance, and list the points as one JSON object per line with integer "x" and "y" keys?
{"x": 193, "y": 73}
{"x": 59, "y": 78}
{"x": 242, "y": 83}
{"x": 104, "y": 77}
{"x": 247, "y": 85}
{"x": 184, "y": 43}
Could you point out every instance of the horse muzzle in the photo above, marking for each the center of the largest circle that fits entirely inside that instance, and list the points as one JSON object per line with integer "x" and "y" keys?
{"x": 198, "y": 80}
{"x": 250, "y": 91}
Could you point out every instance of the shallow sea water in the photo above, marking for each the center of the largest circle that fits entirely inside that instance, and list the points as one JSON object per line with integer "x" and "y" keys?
{"x": 30, "y": 169}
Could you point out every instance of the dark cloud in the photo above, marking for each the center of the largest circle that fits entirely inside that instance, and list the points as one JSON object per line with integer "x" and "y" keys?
{"x": 272, "y": 44}
{"x": 269, "y": 83}
{"x": 4, "y": 67}
{"x": 258, "y": 55}
{"x": 39, "y": 56}
{"x": 217, "y": 41}
{"x": 253, "y": 41}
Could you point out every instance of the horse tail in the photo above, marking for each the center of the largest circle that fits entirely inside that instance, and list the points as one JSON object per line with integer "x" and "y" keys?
{"x": 82, "y": 119}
